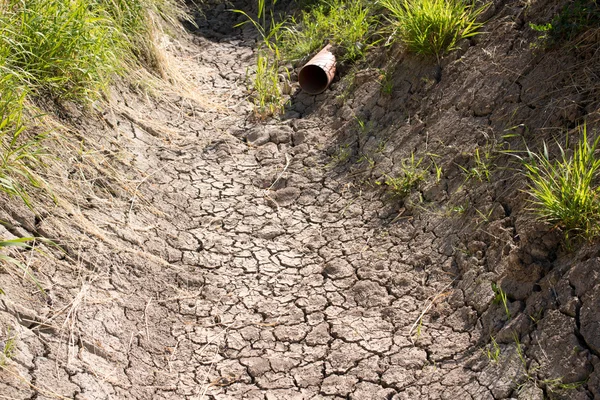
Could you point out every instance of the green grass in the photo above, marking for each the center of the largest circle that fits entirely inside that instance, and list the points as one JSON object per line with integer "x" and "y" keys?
{"x": 501, "y": 298}
{"x": 482, "y": 168}
{"x": 433, "y": 27}
{"x": 350, "y": 25}
{"x": 492, "y": 352}
{"x": 573, "y": 20}
{"x": 305, "y": 35}
{"x": 71, "y": 49}
{"x": 266, "y": 88}
{"x": 9, "y": 348}
{"x": 60, "y": 50}
{"x": 64, "y": 48}
{"x": 19, "y": 151}
{"x": 386, "y": 82}
{"x": 268, "y": 98}
{"x": 411, "y": 174}
{"x": 556, "y": 385}
{"x": 564, "y": 191}
{"x": 347, "y": 24}
{"x": 133, "y": 21}
{"x": 530, "y": 375}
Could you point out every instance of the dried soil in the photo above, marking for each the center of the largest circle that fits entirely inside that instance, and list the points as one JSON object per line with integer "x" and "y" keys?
{"x": 256, "y": 260}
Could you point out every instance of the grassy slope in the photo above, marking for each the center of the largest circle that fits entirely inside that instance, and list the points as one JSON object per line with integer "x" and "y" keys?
{"x": 59, "y": 51}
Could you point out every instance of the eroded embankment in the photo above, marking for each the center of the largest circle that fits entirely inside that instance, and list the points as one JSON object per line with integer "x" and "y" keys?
{"x": 261, "y": 261}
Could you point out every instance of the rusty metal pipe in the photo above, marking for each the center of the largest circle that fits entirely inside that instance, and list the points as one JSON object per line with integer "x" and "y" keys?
{"x": 318, "y": 73}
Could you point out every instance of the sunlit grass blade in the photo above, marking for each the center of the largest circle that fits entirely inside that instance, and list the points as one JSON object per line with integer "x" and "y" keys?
{"x": 433, "y": 27}
{"x": 564, "y": 191}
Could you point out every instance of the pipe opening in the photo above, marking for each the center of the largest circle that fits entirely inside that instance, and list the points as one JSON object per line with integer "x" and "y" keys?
{"x": 313, "y": 79}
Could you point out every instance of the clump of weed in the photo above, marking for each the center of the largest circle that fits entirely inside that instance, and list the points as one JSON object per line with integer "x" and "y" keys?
{"x": 65, "y": 48}
{"x": 411, "y": 174}
{"x": 433, "y": 27}
{"x": 551, "y": 385}
{"x": 134, "y": 22}
{"x": 268, "y": 96}
{"x": 563, "y": 191}
{"x": 349, "y": 25}
{"x": 573, "y": 19}
{"x": 72, "y": 48}
{"x": 557, "y": 386}
{"x": 459, "y": 208}
{"x": 341, "y": 154}
{"x": 386, "y": 82}
{"x": 482, "y": 168}
{"x": 492, "y": 352}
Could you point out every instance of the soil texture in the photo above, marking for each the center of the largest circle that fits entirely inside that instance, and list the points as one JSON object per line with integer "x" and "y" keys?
{"x": 262, "y": 260}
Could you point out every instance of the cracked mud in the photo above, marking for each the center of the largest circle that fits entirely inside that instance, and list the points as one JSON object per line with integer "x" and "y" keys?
{"x": 253, "y": 262}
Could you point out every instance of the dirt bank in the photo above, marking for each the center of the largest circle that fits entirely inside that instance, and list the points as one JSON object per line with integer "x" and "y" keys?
{"x": 244, "y": 260}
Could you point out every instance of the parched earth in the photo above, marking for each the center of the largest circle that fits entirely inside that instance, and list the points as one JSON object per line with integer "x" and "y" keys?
{"x": 260, "y": 260}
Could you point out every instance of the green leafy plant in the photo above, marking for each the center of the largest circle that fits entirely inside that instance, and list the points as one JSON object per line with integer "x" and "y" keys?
{"x": 268, "y": 95}
{"x": 342, "y": 154}
{"x": 72, "y": 48}
{"x": 433, "y": 27}
{"x": 460, "y": 208}
{"x": 351, "y": 26}
{"x": 556, "y": 385}
{"x": 368, "y": 159}
{"x": 563, "y": 191}
{"x": 305, "y": 35}
{"x": 484, "y": 217}
{"x": 552, "y": 385}
{"x": 386, "y": 82}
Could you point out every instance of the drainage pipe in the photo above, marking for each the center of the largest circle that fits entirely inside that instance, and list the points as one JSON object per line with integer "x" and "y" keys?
{"x": 318, "y": 73}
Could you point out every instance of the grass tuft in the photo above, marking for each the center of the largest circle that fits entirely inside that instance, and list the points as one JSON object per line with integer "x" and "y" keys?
{"x": 9, "y": 347}
{"x": 564, "y": 191}
{"x": 433, "y": 27}
{"x": 411, "y": 175}
{"x": 267, "y": 94}
{"x": 575, "y": 18}
{"x": 349, "y": 25}
{"x": 65, "y": 48}
{"x": 134, "y": 21}
{"x": 19, "y": 151}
